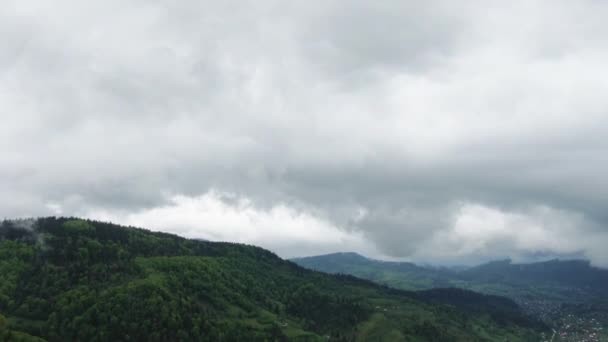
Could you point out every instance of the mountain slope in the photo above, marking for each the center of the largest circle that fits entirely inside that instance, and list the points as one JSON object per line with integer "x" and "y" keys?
{"x": 69, "y": 279}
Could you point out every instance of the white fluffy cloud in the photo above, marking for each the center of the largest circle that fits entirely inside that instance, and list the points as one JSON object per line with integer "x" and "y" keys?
{"x": 435, "y": 130}
{"x": 229, "y": 218}
{"x": 480, "y": 232}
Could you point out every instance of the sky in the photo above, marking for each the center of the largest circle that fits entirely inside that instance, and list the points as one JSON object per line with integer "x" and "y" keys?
{"x": 432, "y": 131}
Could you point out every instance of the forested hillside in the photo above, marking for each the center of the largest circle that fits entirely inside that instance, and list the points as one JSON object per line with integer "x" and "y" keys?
{"x": 75, "y": 280}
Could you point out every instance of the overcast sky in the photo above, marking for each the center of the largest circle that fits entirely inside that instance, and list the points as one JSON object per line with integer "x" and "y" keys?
{"x": 434, "y": 131}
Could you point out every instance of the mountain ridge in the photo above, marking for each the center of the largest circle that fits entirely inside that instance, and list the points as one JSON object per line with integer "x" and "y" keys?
{"x": 508, "y": 261}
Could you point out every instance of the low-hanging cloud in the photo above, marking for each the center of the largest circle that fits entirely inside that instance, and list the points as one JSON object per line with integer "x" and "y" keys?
{"x": 427, "y": 131}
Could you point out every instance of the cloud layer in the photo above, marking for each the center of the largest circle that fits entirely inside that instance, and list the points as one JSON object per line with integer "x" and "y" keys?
{"x": 426, "y": 131}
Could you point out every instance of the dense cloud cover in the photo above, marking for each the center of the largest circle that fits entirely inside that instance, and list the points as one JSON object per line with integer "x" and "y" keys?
{"x": 433, "y": 131}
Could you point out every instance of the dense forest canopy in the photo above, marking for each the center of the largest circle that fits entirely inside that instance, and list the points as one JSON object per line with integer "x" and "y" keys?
{"x": 71, "y": 279}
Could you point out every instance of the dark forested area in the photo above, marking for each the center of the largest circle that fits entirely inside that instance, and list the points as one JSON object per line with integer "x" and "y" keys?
{"x": 65, "y": 279}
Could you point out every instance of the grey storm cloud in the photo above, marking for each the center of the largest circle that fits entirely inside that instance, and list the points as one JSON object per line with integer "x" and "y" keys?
{"x": 432, "y": 131}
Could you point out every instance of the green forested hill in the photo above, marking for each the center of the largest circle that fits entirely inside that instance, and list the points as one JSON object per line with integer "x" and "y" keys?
{"x": 74, "y": 280}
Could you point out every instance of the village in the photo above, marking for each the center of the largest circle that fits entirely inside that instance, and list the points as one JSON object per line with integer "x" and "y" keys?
{"x": 571, "y": 327}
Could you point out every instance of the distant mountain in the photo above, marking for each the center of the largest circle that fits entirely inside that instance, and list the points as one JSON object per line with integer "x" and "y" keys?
{"x": 552, "y": 290}
{"x": 577, "y": 274}
{"x": 570, "y": 273}
{"x": 66, "y": 279}
{"x": 403, "y": 275}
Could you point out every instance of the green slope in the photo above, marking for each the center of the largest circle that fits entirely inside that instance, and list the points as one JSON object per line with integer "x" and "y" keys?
{"x": 69, "y": 279}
